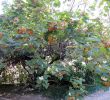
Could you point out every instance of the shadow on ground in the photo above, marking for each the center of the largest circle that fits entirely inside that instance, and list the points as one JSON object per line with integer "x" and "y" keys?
{"x": 15, "y": 92}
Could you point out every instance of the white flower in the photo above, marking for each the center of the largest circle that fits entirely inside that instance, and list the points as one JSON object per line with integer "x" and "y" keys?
{"x": 83, "y": 63}
{"x": 48, "y": 69}
{"x": 56, "y": 69}
{"x": 16, "y": 75}
{"x": 90, "y": 58}
{"x": 70, "y": 63}
{"x": 1, "y": 78}
{"x": 15, "y": 81}
{"x": 48, "y": 58}
{"x": 63, "y": 63}
{"x": 69, "y": 94}
{"x": 104, "y": 62}
{"x": 104, "y": 78}
{"x": 85, "y": 29}
{"x": 74, "y": 60}
{"x": 100, "y": 66}
{"x": 25, "y": 44}
{"x": 41, "y": 78}
{"x": 45, "y": 49}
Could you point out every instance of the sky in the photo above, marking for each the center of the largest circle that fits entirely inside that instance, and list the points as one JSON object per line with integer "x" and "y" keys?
{"x": 67, "y": 6}
{"x": 63, "y": 6}
{"x": 1, "y": 6}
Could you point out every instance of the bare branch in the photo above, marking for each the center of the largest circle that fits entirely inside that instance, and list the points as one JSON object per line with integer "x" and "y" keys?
{"x": 72, "y": 5}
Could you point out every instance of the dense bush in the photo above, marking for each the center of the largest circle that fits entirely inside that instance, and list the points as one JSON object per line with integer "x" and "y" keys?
{"x": 61, "y": 51}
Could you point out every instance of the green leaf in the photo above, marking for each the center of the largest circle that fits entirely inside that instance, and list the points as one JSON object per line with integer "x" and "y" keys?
{"x": 101, "y": 3}
{"x": 57, "y": 3}
{"x": 106, "y": 8}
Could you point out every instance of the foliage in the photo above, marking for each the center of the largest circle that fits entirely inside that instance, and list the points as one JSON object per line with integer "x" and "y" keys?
{"x": 66, "y": 50}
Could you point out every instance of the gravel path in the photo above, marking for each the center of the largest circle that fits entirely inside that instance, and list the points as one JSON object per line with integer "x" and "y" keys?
{"x": 100, "y": 95}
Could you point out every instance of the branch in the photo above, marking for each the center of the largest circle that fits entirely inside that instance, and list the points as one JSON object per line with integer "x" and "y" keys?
{"x": 72, "y": 5}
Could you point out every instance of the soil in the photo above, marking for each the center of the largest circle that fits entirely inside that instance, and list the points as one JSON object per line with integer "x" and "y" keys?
{"x": 12, "y": 92}
{"x": 16, "y": 92}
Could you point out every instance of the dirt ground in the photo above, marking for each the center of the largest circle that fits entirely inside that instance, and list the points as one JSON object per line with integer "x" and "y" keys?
{"x": 23, "y": 97}
{"x": 10, "y": 92}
